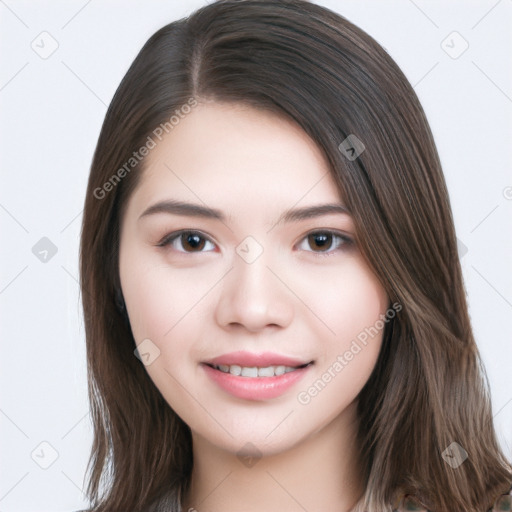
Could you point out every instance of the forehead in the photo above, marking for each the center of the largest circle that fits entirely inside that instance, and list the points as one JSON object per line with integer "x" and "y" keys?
{"x": 236, "y": 154}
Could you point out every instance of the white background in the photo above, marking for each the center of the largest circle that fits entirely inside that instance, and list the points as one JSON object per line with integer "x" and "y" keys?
{"x": 51, "y": 114}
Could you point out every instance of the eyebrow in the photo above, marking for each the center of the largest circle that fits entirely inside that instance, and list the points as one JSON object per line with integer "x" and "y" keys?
{"x": 173, "y": 207}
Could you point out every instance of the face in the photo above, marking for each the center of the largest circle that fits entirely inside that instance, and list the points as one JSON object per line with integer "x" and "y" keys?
{"x": 250, "y": 283}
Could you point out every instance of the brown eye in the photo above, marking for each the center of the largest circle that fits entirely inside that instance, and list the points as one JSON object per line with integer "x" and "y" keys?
{"x": 325, "y": 242}
{"x": 192, "y": 240}
{"x": 186, "y": 241}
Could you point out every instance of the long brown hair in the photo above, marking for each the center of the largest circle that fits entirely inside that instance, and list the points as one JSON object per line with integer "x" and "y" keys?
{"x": 428, "y": 389}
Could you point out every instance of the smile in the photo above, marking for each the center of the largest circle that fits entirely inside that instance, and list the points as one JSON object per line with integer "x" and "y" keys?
{"x": 253, "y": 382}
{"x": 255, "y": 371}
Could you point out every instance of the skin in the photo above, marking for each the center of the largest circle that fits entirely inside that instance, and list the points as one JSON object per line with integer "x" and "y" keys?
{"x": 297, "y": 298}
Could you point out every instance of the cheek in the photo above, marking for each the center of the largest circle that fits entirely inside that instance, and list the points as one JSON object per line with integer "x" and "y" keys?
{"x": 162, "y": 306}
{"x": 353, "y": 308}
{"x": 347, "y": 302}
{"x": 148, "y": 303}
{"x": 162, "y": 301}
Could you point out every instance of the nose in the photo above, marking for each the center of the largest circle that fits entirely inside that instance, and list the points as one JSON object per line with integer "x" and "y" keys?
{"x": 254, "y": 296}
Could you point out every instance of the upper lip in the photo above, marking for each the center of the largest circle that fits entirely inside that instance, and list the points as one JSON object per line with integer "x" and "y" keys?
{"x": 262, "y": 360}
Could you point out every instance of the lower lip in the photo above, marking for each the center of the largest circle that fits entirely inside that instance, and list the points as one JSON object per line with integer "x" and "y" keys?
{"x": 255, "y": 388}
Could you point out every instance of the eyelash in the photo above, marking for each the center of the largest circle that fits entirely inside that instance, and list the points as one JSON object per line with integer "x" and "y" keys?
{"x": 345, "y": 241}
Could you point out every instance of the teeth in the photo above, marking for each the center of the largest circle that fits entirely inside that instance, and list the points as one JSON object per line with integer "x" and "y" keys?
{"x": 266, "y": 372}
{"x": 254, "y": 371}
{"x": 279, "y": 370}
{"x": 249, "y": 372}
{"x": 234, "y": 369}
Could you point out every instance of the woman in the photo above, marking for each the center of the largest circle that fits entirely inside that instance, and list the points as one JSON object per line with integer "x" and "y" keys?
{"x": 274, "y": 307}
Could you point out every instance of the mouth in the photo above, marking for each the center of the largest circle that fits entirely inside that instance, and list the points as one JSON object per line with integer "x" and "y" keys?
{"x": 259, "y": 378}
{"x": 256, "y": 371}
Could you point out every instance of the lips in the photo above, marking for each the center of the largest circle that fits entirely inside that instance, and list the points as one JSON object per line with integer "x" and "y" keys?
{"x": 255, "y": 388}
{"x": 256, "y": 376}
{"x": 262, "y": 360}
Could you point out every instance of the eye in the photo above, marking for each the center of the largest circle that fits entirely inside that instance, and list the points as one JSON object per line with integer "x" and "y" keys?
{"x": 323, "y": 242}
{"x": 182, "y": 241}
{"x": 326, "y": 240}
